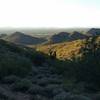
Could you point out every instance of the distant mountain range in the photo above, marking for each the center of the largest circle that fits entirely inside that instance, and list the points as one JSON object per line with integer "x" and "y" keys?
{"x": 75, "y": 35}
{"x": 25, "y": 39}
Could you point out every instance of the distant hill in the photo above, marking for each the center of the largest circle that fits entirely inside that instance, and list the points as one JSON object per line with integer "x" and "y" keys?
{"x": 77, "y": 35}
{"x": 93, "y": 32}
{"x": 49, "y": 35}
{"x": 65, "y": 36}
{"x": 60, "y": 37}
{"x": 23, "y": 39}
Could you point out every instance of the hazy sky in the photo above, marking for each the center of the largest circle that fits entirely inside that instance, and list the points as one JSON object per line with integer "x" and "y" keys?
{"x": 49, "y": 13}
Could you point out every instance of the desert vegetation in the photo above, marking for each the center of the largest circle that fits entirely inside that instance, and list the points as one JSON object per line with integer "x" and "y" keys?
{"x": 58, "y": 71}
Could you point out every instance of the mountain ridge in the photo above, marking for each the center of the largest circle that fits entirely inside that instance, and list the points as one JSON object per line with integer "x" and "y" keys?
{"x": 23, "y": 39}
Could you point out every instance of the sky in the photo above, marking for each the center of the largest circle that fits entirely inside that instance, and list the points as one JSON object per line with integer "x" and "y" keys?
{"x": 50, "y": 13}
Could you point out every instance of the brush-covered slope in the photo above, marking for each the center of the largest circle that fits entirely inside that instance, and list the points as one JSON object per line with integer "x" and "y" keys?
{"x": 14, "y": 59}
{"x": 66, "y": 50}
{"x": 23, "y": 39}
{"x": 22, "y": 75}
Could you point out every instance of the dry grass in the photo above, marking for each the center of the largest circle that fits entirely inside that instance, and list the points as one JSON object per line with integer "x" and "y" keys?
{"x": 64, "y": 50}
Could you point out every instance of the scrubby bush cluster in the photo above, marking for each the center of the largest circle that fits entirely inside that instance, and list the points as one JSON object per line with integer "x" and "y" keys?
{"x": 18, "y": 60}
{"x": 11, "y": 63}
{"x": 13, "y": 60}
{"x": 84, "y": 69}
{"x": 22, "y": 85}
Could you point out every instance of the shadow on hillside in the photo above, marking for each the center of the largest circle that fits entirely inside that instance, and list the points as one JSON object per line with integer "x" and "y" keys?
{"x": 85, "y": 71}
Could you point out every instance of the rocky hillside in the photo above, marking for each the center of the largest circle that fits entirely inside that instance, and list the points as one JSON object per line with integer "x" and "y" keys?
{"x": 23, "y": 39}
{"x": 65, "y": 50}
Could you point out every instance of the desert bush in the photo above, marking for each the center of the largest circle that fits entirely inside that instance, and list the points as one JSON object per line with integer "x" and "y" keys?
{"x": 14, "y": 64}
{"x": 22, "y": 85}
{"x": 39, "y": 59}
{"x": 10, "y": 79}
{"x": 36, "y": 89}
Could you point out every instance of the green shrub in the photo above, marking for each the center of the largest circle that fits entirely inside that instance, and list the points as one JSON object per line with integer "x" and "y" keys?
{"x": 39, "y": 59}
{"x": 14, "y": 64}
{"x": 22, "y": 85}
{"x": 10, "y": 79}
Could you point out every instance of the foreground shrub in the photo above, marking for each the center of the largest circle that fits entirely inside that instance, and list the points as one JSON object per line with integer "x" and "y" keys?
{"x": 39, "y": 59}
{"x": 14, "y": 64}
{"x": 10, "y": 79}
{"x": 22, "y": 85}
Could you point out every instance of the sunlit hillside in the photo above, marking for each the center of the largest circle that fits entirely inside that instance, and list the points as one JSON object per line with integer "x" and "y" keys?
{"x": 66, "y": 50}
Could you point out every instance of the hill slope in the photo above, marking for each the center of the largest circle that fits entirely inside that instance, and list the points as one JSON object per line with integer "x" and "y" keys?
{"x": 77, "y": 35}
{"x": 64, "y": 36}
{"x": 21, "y": 79}
{"x": 23, "y": 39}
{"x": 65, "y": 50}
{"x": 60, "y": 37}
